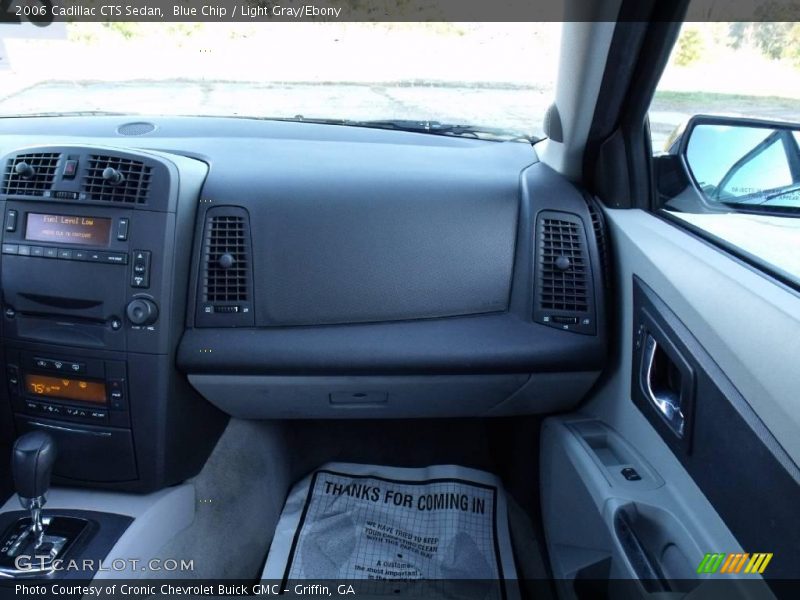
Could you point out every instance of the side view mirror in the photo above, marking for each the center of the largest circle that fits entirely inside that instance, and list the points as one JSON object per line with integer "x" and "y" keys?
{"x": 728, "y": 162}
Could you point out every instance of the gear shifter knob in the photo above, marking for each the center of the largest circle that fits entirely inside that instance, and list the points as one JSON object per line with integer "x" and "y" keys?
{"x": 32, "y": 464}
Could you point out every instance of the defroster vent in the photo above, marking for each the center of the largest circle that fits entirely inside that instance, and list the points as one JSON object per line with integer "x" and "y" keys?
{"x": 30, "y": 174}
{"x": 564, "y": 293}
{"x": 116, "y": 179}
{"x": 225, "y": 275}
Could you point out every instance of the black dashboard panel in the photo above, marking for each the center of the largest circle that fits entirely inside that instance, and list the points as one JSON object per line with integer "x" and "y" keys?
{"x": 386, "y": 251}
{"x": 466, "y": 184}
{"x": 368, "y": 232}
{"x": 483, "y": 344}
{"x": 310, "y": 250}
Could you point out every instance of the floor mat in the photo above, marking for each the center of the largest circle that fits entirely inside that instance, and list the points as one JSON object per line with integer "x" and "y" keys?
{"x": 348, "y": 522}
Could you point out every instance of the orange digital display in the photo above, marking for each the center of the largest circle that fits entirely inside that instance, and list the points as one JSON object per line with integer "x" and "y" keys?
{"x": 68, "y": 229}
{"x": 68, "y": 389}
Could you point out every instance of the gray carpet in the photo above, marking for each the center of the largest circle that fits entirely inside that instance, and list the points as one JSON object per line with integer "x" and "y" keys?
{"x": 240, "y": 495}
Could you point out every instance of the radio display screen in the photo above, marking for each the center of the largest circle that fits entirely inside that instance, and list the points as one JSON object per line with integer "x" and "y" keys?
{"x": 65, "y": 388}
{"x": 68, "y": 229}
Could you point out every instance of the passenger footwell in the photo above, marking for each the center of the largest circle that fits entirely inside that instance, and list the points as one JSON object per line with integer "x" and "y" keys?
{"x": 364, "y": 522}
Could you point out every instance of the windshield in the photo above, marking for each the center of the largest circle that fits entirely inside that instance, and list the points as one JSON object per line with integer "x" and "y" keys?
{"x": 453, "y": 73}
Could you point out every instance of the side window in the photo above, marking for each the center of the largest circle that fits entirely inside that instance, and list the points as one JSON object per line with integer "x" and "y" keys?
{"x": 725, "y": 130}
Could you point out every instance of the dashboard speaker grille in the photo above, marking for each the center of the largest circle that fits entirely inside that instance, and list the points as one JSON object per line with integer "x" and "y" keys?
{"x": 563, "y": 264}
{"x": 225, "y": 260}
{"x": 37, "y": 180}
{"x": 137, "y": 128}
{"x": 132, "y": 188}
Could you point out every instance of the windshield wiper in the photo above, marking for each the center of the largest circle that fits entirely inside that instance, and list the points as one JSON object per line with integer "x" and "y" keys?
{"x": 412, "y": 125}
{"x": 420, "y": 126}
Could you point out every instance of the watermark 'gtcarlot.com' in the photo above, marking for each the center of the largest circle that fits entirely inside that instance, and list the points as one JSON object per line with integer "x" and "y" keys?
{"x": 36, "y": 563}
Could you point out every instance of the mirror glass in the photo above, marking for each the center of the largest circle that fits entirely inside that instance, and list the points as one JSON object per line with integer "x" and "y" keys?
{"x": 740, "y": 164}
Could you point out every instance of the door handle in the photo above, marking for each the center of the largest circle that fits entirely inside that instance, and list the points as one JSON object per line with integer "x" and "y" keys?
{"x": 665, "y": 400}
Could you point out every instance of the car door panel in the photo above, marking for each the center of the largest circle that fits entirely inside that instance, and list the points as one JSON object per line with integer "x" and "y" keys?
{"x": 731, "y": 481}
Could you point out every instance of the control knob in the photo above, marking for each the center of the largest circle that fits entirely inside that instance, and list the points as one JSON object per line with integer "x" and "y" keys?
{"x": 141, "y": 311}
{"x": 24, "y": 170}
{"x": 112, "y": 176}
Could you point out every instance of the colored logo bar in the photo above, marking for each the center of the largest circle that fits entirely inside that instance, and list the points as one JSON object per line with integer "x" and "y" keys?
{"x": 735, "y": 562}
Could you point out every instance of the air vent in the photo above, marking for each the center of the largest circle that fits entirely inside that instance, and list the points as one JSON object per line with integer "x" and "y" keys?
{"x": 226, "y": 283}
{"x": 114, "y": 179}
{"x": 225, "y": 260}
{"x": 564, "y": 297}
{"x": 30, "y": 174}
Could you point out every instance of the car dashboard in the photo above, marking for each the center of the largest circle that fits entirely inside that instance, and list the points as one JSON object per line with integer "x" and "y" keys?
{"x": 159, "y": 276}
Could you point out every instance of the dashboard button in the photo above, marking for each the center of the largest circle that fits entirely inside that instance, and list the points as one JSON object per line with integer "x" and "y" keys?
{"x": 116, "y": 394}
{"x": 122, "y": 229}
{"x": 23, "y": 250}
{"x": 11, "y": 220}
{"x": 80, "y": 255}
{"x": 37, "y": 251}
{"x": 93, "y": 256}
{"x": 65, "y": 253}
{"x": 9, "y": 248}
{"x": 51, "y": 252}
{"x": 51, "y": 409}
{"x": 70, "y": 168}
{"x": 42, "y": 363}
{"x": 76, "y": 412}
{"x": 12, "y": 376}
{"x": 98, "y": 415}
{"x": 140, "y": 278}
{"x": 119, "y": 258}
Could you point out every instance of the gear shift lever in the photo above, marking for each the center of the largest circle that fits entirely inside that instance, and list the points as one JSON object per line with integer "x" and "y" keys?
{"x": 32, "y": 465}
{"x": 43, "y": 540}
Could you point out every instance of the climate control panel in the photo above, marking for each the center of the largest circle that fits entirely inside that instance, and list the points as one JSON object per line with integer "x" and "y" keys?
{"x": 88, "y": 390}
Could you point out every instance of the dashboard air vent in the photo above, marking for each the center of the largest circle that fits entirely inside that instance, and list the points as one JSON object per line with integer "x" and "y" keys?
{"x": 30, "y": 174}
{"x": 226, "y": 270}
{"x": 225, "y": 260}
{"x": 564, "y": 296}
{"x": 114, "y": 179}
{"x": 563, "y": 266}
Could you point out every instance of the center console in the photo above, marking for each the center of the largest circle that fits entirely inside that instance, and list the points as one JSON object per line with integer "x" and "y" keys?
{"x": 95, "y": 260}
